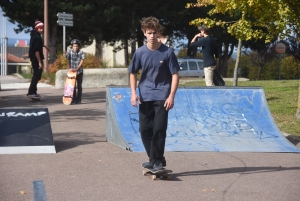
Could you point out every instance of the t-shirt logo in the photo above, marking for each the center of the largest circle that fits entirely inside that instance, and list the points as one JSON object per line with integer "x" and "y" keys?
{"x": 161, "y": 62}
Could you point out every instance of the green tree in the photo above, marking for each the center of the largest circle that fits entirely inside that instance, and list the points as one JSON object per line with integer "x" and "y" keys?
{"x": 290, "y": 68}
{"x": 259, "y": 19}
{"x": 92, "y": 19}
{"x": 294, "y": 49}
{"x": 256, "y": 17}
{"x": 25, "y": 12}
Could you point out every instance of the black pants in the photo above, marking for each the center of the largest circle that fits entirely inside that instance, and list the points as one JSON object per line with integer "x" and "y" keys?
{"x": 153, "y": 118}
{"x": 37, "y": 74}
{"x": 78, "y": 85}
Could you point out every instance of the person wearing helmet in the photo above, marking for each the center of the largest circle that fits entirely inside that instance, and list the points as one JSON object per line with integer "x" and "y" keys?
{"x": 75, "y": 58}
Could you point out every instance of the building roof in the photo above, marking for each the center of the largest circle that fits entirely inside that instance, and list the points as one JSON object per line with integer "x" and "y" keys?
{"x": 25, "y": 55}
{"x": 14, "y": 59}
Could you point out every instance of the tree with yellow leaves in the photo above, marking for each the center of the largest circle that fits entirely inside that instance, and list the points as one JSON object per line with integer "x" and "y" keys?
{"x": 278, "y": 17}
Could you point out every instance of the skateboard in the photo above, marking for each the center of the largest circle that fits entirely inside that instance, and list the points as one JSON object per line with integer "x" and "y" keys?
{"x": 218, "y": 80}
{"x": 69, "y": 87}
{"x": 157, "y": 174}
{"x": 34, "y": 99}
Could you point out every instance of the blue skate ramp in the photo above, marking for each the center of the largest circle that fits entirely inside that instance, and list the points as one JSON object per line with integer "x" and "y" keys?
{"x": 213, "y": 119}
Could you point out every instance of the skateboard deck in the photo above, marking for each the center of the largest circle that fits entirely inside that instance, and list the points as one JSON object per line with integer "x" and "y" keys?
{"x": 218, "y": 80}
{"x": 34, "y": 99}
{"x": 157, "y": 174}
{"x": 69, "y": 87}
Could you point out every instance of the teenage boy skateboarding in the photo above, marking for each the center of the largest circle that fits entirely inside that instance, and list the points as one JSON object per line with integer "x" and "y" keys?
{"x": 157, "y": 87}
{"x": 36, "y": 57}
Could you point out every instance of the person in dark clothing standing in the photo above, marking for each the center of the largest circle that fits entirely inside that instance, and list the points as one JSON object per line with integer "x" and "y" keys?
{"x": 157, "y": 88}
{"x": 36, "y": 57}
{"x": 210, "y": 53}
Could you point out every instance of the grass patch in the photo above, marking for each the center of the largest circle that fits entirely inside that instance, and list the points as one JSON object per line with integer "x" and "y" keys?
{"x": 282, "y": 98}
{"x": 47, "y": 77}
{"x": 26, "y": 76}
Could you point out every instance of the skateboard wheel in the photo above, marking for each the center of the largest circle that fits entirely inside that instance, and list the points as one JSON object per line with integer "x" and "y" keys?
{"x": 153, "y": 177}
{"x": 144, "y": 172}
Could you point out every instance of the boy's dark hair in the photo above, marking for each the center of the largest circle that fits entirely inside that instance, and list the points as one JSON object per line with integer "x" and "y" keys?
{"x": 205, "y": 29}
{"x": 150, "y": 23}
{"x": 162, "y": 30}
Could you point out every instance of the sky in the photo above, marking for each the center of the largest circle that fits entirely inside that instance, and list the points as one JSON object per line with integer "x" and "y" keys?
{"x": 12, "y": 34}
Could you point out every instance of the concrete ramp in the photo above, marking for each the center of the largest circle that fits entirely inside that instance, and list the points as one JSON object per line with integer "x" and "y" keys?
{"x": 214, "y": 119}
{"x": 25, "y": 131}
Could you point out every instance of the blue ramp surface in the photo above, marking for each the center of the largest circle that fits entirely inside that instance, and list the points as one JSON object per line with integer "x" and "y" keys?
{"x": 221, "y": 119}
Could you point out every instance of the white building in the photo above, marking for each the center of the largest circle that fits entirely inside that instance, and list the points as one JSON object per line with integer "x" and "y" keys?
{"x": 109, "y": 57}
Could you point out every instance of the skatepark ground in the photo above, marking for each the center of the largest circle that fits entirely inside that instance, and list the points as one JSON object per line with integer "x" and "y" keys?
{"x": 87, "y": 168}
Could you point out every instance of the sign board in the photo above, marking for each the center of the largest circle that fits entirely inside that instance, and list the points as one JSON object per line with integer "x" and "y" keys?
{"x": 65, "y": 16}
{"x": 280, "y": 48}
{"x": 65, "y": 23}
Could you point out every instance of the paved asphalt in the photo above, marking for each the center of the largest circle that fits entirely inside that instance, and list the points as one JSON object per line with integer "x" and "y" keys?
{"x": 87, "y": 168}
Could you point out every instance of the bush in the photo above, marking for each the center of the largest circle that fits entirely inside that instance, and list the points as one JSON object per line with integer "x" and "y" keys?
{"x": 183, "y": 53}
{"x": 290, "y": 69}
{"x": 244, "y": 64}
{"x": 270, "y": 72}
{"x": 90, "y": 61}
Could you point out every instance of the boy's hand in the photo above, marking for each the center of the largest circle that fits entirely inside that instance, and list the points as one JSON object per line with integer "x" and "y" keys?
{"x": 47, "y": 48}
{"x": 135, "y": 98}
{"x": 169, "y": 104}
{"x": 40, "y": 65}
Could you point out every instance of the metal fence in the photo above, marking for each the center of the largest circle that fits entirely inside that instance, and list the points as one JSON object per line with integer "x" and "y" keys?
{"x": 3, "y": 44}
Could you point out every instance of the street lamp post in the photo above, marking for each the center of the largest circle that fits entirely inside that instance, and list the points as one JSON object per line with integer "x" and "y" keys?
{"x": 46, "y": 31}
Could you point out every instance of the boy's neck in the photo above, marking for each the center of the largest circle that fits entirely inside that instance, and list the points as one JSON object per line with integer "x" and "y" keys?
{"x": 153, "y": 46}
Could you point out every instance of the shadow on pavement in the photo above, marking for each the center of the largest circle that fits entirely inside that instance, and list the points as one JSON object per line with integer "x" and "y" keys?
{"x": 239, "y": 170}
{"x": 65, "y": 141}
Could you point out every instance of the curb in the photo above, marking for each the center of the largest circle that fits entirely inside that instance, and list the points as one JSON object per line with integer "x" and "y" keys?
{"x": 289, "y": 136}
{"x": 19, "y": 76}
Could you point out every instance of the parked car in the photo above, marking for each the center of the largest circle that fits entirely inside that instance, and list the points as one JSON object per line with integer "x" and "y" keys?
{"x": 190, "y": 67}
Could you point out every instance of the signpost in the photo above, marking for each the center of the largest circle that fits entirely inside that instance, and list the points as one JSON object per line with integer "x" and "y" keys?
{"x": 65, "y": 19}
{"x": 280, "y": 49}
{"x": 65, "y": 23}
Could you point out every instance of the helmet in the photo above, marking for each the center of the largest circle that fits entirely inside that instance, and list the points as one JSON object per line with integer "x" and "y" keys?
{"x": 75, "y": 41}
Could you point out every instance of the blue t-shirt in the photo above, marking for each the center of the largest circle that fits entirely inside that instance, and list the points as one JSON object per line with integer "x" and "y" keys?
{"x": 157, "y": 69}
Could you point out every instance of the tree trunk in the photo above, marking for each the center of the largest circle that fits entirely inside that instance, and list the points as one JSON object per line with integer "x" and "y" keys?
{"x": 258, "y": 74}
{"x": 223, "y": 57}
{"x": 99, "y": 52}
{"x": 140, "y": 38}
{"x": 224, "y": 63}
{"x": 126, "y": 56}
{"x": 191, "y": 51}
{"x": 133, "y": 47}
{"x": 53, "y": 43}
{"x": 235, "y": 77}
